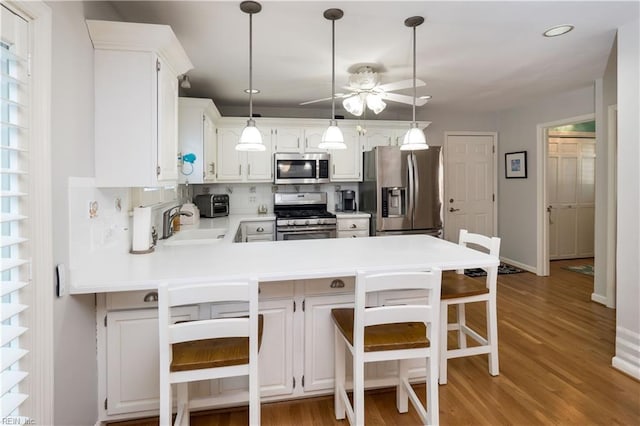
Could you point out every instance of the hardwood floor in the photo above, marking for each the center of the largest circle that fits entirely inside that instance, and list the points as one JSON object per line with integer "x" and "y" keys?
{"x": 556, "y": 348}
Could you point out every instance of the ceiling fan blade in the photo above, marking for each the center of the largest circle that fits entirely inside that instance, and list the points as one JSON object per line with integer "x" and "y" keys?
{"x": 314, "y": 101}
{"x": 337, "y": 96}
{"x": 394, "y": 97}
{"x": 402, "y": 84}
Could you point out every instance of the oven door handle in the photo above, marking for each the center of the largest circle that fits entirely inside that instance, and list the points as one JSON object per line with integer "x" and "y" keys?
{"x": 305, "y": 229}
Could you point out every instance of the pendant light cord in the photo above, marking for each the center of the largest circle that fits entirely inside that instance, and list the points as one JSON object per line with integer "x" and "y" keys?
{"x": 251, "y": 66}
{"x": 414, "y": 75}
{"x": 333, "y": 69}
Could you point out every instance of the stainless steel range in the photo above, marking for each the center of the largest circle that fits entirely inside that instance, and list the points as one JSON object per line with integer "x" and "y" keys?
{"x": 303, "y": 216}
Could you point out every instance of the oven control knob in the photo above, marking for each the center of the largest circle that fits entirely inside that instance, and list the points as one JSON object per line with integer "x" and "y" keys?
{"x": 306, "y": 222}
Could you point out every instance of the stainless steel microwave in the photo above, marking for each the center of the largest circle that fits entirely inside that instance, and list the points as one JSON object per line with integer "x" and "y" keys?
{"x": 301, "y": 168}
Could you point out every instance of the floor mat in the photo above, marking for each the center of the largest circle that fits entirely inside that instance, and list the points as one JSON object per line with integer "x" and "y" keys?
{"x": 502, "y": 270}
{"x": 582, "y": 269}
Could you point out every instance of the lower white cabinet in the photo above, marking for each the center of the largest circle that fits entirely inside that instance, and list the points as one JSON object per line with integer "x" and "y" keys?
{"x": 133, "y": 365}
{"x": 258, "y": 231}
{"x": 353, "y": 227}
{"x": 295, "y": 360}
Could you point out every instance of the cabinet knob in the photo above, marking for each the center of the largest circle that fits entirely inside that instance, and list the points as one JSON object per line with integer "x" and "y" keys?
{"x": 260, "y": 229}
{"x": 353, "y": 226}
{"x": 337, "y": 284}
{"x": 151, "y": 297}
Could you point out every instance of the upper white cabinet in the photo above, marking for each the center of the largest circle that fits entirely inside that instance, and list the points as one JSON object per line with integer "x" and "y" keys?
{"x": 386, "y": 133}
{"x": 136, "y": 103}
{"x": 197, "y": 135}
{"x": 238, "y": 166}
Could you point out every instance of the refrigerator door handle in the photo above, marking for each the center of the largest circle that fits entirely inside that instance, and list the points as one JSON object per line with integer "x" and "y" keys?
{"x": 416, "y": 178}
{"x": 411, "y": 191}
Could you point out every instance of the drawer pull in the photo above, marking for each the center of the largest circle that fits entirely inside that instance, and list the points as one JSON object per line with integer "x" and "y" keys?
{"x": 337, "y": 284}
{"x": 260, "y": 229}
{"x": 354, "y": 236}
{"x": 353, "y": 226}
{"x": 151, "y": 297}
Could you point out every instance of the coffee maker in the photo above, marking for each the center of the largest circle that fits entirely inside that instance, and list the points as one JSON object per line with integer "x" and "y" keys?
{"x": 347, "y": 201}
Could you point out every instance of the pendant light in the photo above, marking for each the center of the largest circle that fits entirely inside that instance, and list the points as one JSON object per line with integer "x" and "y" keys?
{"x": 332, "y": 137}
{"x": 414, "y": 139}
{"x": 250, "y": 139}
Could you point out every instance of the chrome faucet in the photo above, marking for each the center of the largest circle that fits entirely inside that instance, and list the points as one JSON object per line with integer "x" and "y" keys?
{"x": 167, "y": 220}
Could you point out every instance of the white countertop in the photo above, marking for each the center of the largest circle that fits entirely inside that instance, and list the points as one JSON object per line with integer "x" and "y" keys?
{"x": 111, "y": 271}
{"x": 352, "y": 215}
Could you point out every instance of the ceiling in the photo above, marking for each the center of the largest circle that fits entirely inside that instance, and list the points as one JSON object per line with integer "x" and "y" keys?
{"x": 479, "y": 56}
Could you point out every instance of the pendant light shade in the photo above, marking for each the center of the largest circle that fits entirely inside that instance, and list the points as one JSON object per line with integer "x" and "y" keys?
{"x": 332, "y": 138}
{"x": 250, "y": 139}
{"x": 414, "y": 139}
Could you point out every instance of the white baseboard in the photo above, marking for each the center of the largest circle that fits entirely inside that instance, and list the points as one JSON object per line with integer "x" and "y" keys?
{"x": 519, "y": 265}
{"x": 598, "y": 298}
{"x": 627, "y": 357}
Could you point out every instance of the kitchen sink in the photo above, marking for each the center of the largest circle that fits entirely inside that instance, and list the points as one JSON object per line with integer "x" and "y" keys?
{"x": 196, "y": 236}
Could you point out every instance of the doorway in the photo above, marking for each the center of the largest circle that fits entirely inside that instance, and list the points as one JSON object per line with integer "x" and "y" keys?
{"x": 571, "y": 155}
{"x": 469, "y": 183}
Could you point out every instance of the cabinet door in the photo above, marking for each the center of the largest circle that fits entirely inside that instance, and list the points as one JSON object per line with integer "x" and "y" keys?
{"x": 275, "y": 359}
{"x": 417, "y": 367}
{"x": 133, "y": 366}
{"x": 312, "y": 138}
{"x": 260, "y": 163}
{"x": 210, "y": 152}
{"x": 377, "y": 137}
{"x": 167, "y": 124}
{"x": 287, "y": 139}
{"x": 319, "y": 339}
{"x": 346, "y": 164}
{"x": 229, "y": 160}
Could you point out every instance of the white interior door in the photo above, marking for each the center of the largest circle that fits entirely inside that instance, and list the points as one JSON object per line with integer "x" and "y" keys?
{"x": 571, "y": 196}
{"x": 469, "y": 184}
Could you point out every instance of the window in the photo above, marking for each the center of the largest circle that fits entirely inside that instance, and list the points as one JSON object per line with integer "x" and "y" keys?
{"x": 25, "y": 226}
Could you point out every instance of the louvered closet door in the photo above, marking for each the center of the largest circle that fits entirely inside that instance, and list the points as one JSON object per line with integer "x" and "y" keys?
{"x": 14, "y": 240}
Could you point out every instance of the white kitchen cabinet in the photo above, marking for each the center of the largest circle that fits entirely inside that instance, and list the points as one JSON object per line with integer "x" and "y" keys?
{"x": 275, "y": 359}
{"x": 196, "y": 135}
{"x": 136, "y": 103}
{"x": 346, "y": 164}
{"x": 288, "y": 139}
{"x": 352, "y": 227}
{"x": 238, "y": 166}
{"x": 133, "y": 365}
{"x": 258, "y": 231}
{"x": 417, "y": 367}
{"x": 319, "y": 333}
{"x": 378, "y": 137}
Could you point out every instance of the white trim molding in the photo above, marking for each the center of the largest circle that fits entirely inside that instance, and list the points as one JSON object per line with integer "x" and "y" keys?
{"x": 627, "y": 357}
{"x": 542, "y": 224}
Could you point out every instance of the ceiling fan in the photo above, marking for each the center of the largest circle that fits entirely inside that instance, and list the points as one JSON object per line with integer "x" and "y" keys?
{"x": 365, "y": 90}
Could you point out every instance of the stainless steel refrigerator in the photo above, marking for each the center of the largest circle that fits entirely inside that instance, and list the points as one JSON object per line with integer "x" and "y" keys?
{"x": 402, "y": 190}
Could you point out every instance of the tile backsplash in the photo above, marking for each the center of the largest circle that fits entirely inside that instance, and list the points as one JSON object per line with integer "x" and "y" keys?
{"x": 245, "y": 198}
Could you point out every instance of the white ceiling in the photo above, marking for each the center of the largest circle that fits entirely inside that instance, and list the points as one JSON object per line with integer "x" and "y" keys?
{"x": 476, "y": 55}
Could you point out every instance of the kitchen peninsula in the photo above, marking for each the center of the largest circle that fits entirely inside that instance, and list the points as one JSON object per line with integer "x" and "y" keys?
{"x": 300, "y": 282}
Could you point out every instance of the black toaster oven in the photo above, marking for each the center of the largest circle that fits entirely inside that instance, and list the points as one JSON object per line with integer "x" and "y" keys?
{"x": 212, "y": 205}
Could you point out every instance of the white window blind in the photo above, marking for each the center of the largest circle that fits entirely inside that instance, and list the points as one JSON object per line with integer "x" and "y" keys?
{"x": 14, "y": 198}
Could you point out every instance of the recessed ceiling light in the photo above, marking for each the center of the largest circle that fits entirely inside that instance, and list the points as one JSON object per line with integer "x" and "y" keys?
{"x": 254, "y": 91}
{"x": 558, "y": 30}
{"x": 425, "y": 97}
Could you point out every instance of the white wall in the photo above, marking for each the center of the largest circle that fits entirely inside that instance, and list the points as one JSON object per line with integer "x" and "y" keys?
{"x": 627, "y": 356}
{"x": 606, "y": 88}
{"x": 517, "y": 129}
{"x": 75, "y": 378}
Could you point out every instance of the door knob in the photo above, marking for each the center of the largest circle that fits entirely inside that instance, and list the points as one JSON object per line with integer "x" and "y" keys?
{"x": 453, "y": 210}
{"x": 451, "y": 200}
{"x": 549, "y": 209}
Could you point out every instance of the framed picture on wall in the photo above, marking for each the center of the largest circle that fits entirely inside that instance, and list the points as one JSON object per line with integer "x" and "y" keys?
{"x": 515, "y": 164}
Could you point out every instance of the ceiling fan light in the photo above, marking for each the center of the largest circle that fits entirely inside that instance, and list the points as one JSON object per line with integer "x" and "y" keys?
{"x": 332, "y": 138}
{"x": 414, "y": 140}
{"x": 354, "y": 105}
{"x": 375, "y": 103}
{"x": 250, "y": 139}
